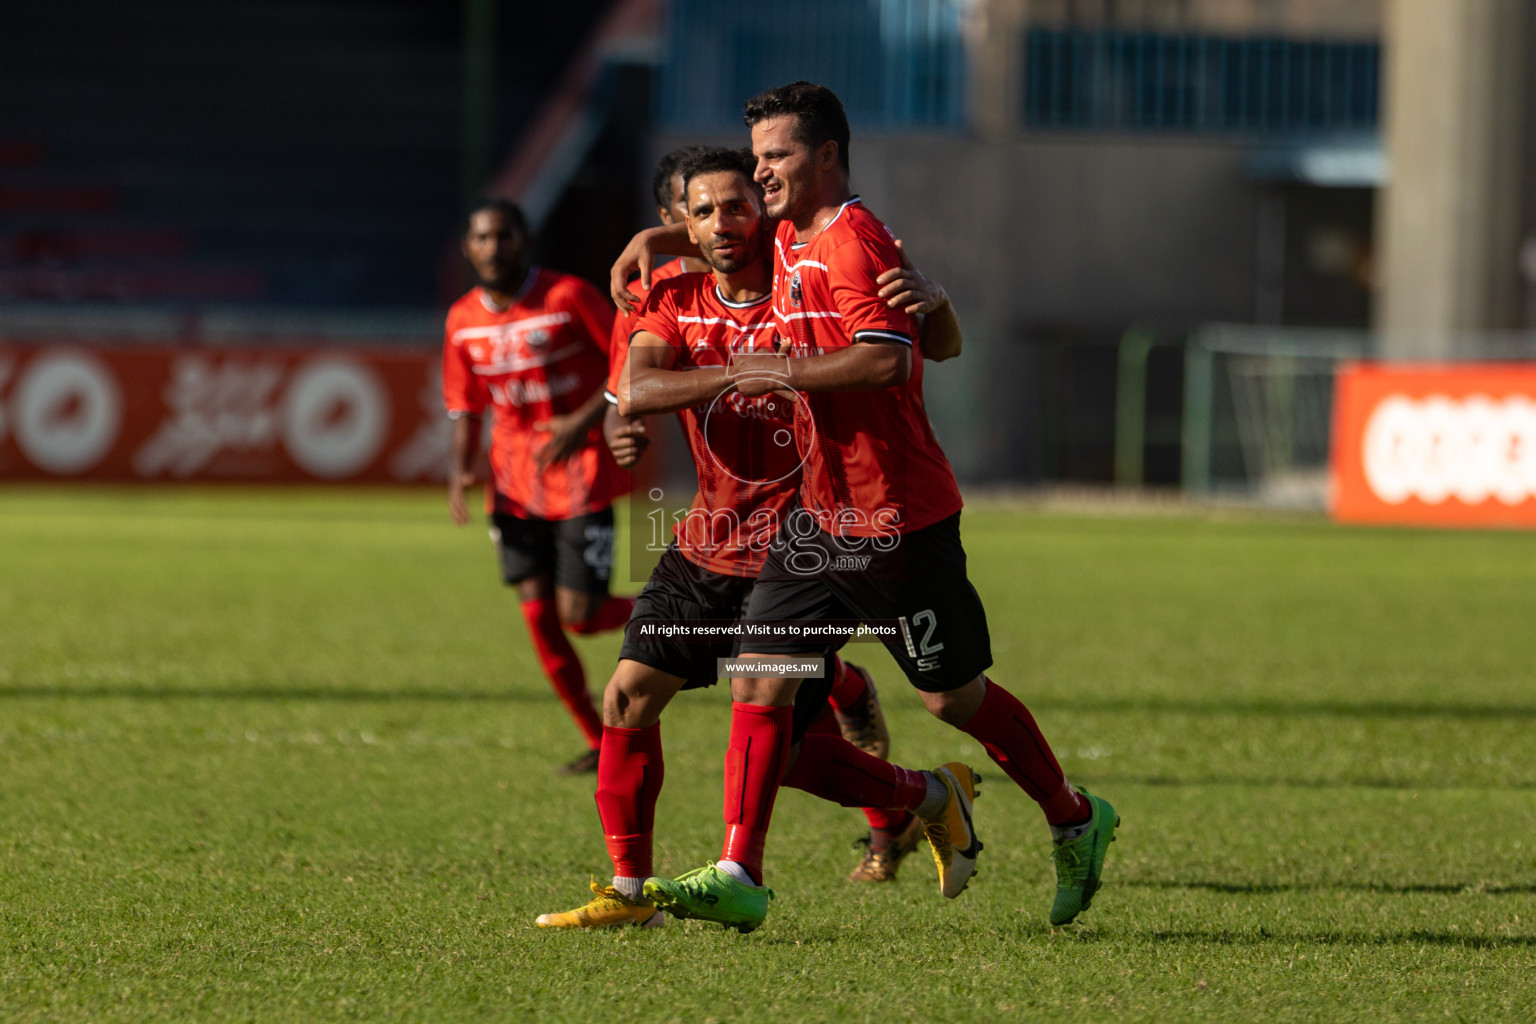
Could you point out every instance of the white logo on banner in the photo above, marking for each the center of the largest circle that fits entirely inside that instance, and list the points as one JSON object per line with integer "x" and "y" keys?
{"x": 67, "y": 410}
{"x": 335, "y": 417}
{"x": 425, "y": 455}
{"x": 212, "y": 408}
{"x": 1437, "y": 448}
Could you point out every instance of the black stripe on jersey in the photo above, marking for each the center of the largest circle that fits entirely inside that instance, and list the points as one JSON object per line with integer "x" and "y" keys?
{"x": 610, "y": 397}
{"x": 873, "y": 335}
{"x": 741, "y": 305}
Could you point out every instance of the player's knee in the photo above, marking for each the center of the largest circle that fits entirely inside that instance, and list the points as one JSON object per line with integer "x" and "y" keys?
{"x": 616, "y": 705}
{"x": 957, "y": 706}
{"x": 772, "y": 691}
{"x": 635, "y": 697}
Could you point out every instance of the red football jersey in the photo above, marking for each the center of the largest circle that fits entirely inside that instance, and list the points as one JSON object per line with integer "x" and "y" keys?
{"x": 872, "y": 464}
{"x": 624, "y": 323}
{"x": 743, "y": 448}
{"x": 542, "y": 356}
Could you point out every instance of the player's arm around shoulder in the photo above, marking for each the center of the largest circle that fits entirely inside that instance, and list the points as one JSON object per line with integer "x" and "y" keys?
{"x": 907, "y": 288}
{"x": 640, "y": 256}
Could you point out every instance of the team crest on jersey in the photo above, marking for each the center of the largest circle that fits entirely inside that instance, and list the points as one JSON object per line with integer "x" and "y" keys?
{"x": 795, "y": 293}
{"x": 537, "y": 338}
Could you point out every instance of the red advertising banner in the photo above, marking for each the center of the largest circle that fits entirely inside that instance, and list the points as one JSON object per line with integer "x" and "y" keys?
{"x": 1435, "y": 445}
{"x": 322, "y": 414}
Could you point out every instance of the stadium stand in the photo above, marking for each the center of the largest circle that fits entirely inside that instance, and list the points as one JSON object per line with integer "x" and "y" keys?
{"x": 293, "y": 152}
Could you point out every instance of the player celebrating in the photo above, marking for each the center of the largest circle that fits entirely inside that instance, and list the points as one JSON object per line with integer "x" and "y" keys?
{"x": 690, "y": 329}
{"x": 854, "y": 701}
{"x": 532, "y": 344}
{"x": 877, "y": 487}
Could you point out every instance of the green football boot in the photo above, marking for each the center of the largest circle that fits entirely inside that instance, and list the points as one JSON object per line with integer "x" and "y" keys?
{"x": 1080, "y": 861}
{"x": 709, "y": 894}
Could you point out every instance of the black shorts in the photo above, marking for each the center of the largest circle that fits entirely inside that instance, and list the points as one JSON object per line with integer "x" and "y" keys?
{"x": 680, "y": 591}
{"x": 916, "y": 580}
{"x": 578, "y": 552}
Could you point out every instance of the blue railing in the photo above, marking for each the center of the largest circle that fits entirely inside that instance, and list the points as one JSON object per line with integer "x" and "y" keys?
{"x": 1142, "y": 82}
{"x": 897, "y": 65}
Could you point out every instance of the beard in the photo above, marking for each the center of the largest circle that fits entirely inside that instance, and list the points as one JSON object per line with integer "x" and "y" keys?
{"x": 739, "y": 260}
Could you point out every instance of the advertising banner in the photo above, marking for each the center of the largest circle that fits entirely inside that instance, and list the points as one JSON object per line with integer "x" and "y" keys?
{"x": 320, "y": 414}
{"x": 1435, "y": 445}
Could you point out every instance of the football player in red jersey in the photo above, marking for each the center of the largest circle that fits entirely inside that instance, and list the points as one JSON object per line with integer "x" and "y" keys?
{"x": 876, "y": 534}
{"x": 689, "y": 330}
{"x": 532, "y": 345}
{"x": 855, "y": 702}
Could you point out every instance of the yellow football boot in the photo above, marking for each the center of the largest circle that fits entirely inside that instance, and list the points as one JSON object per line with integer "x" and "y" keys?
{"x": 950, "y": 832}
{"x": 608, "y": 909}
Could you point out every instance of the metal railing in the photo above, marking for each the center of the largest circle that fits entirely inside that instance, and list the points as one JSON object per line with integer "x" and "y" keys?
{"x": 897, "y": 65}
{"x": 1103, "y": 81}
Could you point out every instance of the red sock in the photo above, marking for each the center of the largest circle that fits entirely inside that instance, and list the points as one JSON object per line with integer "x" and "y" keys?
{"x": 754, "y": 762}
{"x": 826, "y": 725}
{"x": 1008, "y": 732}
{"x": 562, "y": 666}
{"x": 847, "y": 687}
{"x": 611, "y": 614}
{"x": 892, "y": 820}
{"x": 834, "y": 769}
{"x": 629, "y": 774}
{"x": 826, "y": 722}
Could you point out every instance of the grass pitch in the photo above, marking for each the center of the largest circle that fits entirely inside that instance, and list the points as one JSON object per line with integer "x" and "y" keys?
{"x": 287, "y": 756}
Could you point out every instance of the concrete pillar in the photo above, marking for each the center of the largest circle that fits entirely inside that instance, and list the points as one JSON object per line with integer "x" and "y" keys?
{"x": 994, "y": 43}
{"x": 1450, "y": 217}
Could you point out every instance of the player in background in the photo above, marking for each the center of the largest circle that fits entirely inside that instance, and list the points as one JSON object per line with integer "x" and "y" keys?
{"x": 689, "y": 330}
{"x": 854, "y": 700}
{"x": 626, "y": 436}
{"x": 876, "y": 487}
{"x": 532, "y": 345}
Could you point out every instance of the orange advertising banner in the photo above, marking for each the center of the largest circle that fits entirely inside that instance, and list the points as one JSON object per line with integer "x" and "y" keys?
{"x": 315, "y": 414}
{"x": 1435, "y": 444}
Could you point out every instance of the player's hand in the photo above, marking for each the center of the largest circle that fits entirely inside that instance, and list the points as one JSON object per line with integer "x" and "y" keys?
{"x": 759, "y": 373}
{"x": 458, "y": 508}
{"x": 626, "y": 436}
{"x": 566, "y": 438}
{"x": 639, "y": 254}
{"x": 907, "y": 288}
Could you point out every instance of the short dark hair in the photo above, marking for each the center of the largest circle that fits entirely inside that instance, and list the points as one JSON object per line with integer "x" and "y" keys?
{"x": 661, "y": 183}
{"x": 817, "y": 111}
{"x": 709, "y": 159}
{"x": 506, "y": 207}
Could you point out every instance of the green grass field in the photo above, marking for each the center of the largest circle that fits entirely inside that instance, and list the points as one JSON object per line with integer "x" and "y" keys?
{"x": 287, "y": 756}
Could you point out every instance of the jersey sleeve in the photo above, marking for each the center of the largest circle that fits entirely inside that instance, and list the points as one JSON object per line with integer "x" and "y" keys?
{"x": 618, "y": 352}
{"x": 851, "y": 273}
{"x": 659, "y": 316}
{"x": 463, "y": 393}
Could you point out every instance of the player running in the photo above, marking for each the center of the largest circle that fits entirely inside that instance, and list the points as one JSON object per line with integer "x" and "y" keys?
{"x": 877, "y": 492}
{"x": 691, "y": 327}
{"x": 532, "y": 344}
